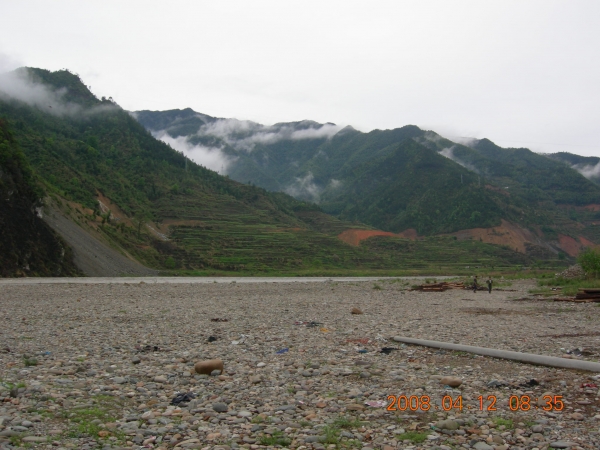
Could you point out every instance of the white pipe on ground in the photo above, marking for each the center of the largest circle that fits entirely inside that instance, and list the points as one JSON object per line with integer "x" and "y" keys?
{"x": 528, "y": 358}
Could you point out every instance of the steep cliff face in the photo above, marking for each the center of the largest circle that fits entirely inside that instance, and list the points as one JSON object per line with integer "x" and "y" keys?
{"x": 28, "y": 246}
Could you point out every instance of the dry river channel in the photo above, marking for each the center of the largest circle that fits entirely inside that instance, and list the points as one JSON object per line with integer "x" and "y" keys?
{"x": 109, "y": 363}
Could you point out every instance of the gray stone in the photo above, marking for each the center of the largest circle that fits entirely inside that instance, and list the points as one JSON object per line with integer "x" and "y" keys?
{"x": 9, "y": 433}
{"x": 34, "y": 439}
{"x": 447, "y": 424}
{"x": 220, "y": 407}
{"x": 562, "y": 444}
{"x": 482, "y": 446}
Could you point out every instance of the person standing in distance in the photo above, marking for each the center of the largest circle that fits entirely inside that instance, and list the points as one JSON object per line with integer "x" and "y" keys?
{"x": 489, "y": 284}
{"x": 475, "y": 284}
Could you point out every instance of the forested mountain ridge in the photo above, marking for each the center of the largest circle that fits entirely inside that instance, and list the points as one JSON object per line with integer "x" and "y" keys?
{"x": 152, "y": 203}
{"x": 399, "y": 179}
{"x": 588, "y": 166}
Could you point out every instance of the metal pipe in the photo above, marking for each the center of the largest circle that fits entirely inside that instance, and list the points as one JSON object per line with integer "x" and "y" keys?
{"x": 528, "y": 358}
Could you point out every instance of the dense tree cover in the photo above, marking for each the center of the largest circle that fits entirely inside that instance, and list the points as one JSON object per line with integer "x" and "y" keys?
{"x": 345, "y": 174}
{"x": 28, "y": 246}
{"x": 415, "y": 187}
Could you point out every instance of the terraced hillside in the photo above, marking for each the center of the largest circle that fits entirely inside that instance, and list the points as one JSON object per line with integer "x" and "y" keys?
{"x": 153, "y": 204}
{"x": 406, "y": 179}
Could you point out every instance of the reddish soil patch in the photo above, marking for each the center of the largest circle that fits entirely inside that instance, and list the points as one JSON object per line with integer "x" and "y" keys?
{"x": 506, "y": 234}
{"x": 116, "y": 213}
{"x": 592, "y": 207}
{"x": 569, "y": 245}
{"x": 354, "y": 236}
{"x": 587, "y": 243}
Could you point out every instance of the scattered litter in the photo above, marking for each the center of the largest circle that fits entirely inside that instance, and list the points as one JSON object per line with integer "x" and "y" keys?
{"x": 241, "y": 340}
{"x": 324, "y": 330}
{"x": 376, "y": 403}
{"x": 147, "y": 348}
{"x": 579, "y": 352}
{"x": 531, "y": 383}
{"x": 589, "y": 385}
{"x": 282, "y": 351}
{"x": 306, "y": 323}
{"x": 440, "y": 287}
{"x": 363, "y": 341}
{"x": 211, "y": 339}
{"x": 183, "y": 397}
{"x": 387, "y": 350}
{"x": 219, "y": 320}
{"x": 363, "y": 351}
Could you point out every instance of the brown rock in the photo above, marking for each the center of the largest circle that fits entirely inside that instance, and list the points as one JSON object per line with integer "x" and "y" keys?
{"x": 206, "y": 367}
{"x": 103, "y": 433}
{"x": 321, "y": 405}
{"x": 356, "y": 311}
{"x": 451, "y": 381}
{"x": 354, "y": 407}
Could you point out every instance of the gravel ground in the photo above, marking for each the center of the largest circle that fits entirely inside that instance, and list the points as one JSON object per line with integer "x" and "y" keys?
{"x": 97, "y": 366}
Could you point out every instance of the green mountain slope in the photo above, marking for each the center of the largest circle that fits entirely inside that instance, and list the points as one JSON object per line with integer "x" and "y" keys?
{"x": 399, "y": 179}
{"x": 149, "y": 201}
{"x": 588, "y": 166}
{"x": 28, "y": 247}
{"x": 285, "y": 163}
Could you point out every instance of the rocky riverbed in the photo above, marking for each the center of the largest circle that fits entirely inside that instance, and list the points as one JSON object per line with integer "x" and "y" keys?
{"x": 99, "y": 365}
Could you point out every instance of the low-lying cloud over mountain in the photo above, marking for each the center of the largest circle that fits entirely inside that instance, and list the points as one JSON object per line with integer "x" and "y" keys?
{"x": 588, "y": 170}
{"x": 210, "y": 157}
{"x": 244, "y": 134}
{"x": 22, "y": 85}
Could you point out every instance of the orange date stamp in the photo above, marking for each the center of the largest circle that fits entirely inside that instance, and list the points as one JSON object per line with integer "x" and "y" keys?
{"x": 489, "y": 403}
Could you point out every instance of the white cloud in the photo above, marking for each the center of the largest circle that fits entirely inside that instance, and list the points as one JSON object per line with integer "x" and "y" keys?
{"x": 244, "y": 134}
{"x": 210, "y": 157}
{"x": 304, "y": 188}
{"x": 19, "y": 85}
{"x": 334, "y": 184}
{"x": 448, "y": 152}
{"x": 588, "y": 170}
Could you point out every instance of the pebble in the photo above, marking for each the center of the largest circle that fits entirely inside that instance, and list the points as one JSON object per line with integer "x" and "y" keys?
{"x": 451, "y": 381}
{"x": 207, "y": 367}
{"x": 220, "y": 407}
{"x": 137, "y": 361}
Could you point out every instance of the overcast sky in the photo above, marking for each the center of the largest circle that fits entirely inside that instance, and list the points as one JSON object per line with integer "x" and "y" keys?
{"x": 522, "y": 73}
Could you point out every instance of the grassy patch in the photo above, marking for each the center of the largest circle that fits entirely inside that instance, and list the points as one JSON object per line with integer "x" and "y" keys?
{"x": 499, "y": 421}
{"x": 85, "y": 422}
{"x": 29, "y": 362}
{"x": 569, "y": 287}
{"x": 413, "y": 436}
{"x": 345, "y": 422}
{"x": 277, "y": 438}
